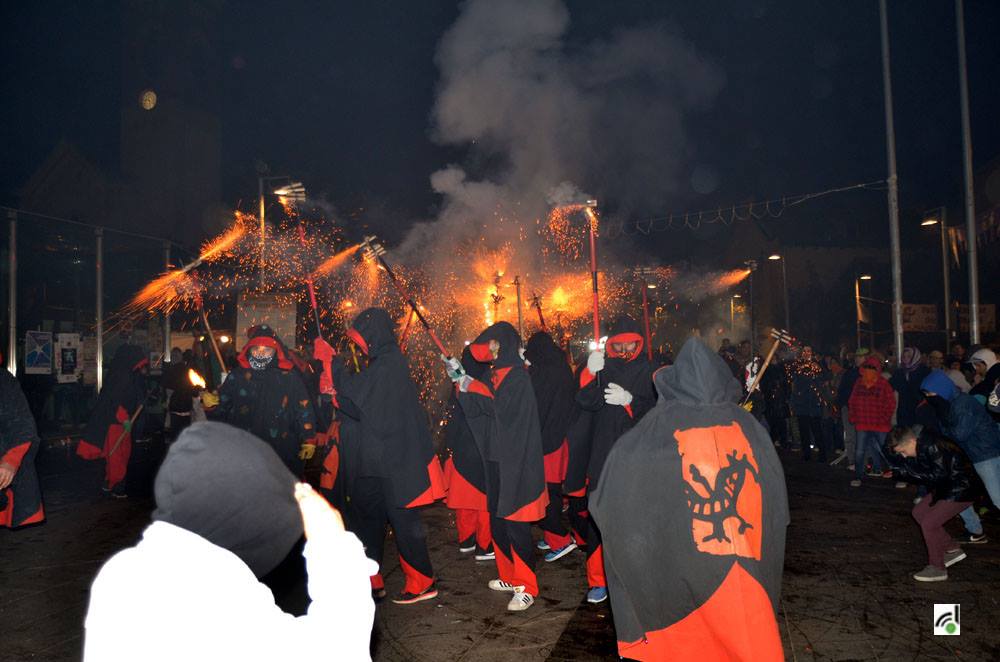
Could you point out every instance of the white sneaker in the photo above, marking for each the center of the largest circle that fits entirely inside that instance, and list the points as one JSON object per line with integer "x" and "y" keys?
{"x": 485, "y": 556}
{"x": 501, "y": 585}
{"x": 521, "y": 600}
{"x": 466, "y": 550}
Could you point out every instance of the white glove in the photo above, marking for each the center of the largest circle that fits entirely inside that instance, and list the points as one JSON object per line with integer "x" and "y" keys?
{"x": 520, "y": 353}
{"x": 616, "y": 395}
{"x": 454, "y": 367}
{"x": 463, "y": 383}
{"x": 595, "y": 362}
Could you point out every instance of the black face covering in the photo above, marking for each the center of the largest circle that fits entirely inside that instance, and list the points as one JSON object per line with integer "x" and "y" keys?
{"x": 230, "y": 488}
{"x": 260, "y": 363}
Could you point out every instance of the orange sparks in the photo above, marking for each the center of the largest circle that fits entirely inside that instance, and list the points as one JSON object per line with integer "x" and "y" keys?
{"x": 164, "y": 294}
{"x": 224, "y": 243}
{"x": 730, "y": 278}
{"x": 334, "y": 262}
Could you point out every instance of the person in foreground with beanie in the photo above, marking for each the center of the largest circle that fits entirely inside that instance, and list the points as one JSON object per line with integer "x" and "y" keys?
{"x": 190, "y": 589}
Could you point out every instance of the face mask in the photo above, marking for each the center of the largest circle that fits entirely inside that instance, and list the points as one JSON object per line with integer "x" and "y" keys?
{"x": 259, "y": 363}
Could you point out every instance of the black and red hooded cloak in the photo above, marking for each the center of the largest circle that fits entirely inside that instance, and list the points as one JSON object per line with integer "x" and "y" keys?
{"x": 693, "y": 509}
{"x": 271, "y": 403}
{"x": 634, "y": 373}
{"x": 503, "y": 415}
{"x": 21, "y": 501}
{"x": 555, "y": 393}
{"x": 465, "y": 473}
{"x": 394, "y": 441}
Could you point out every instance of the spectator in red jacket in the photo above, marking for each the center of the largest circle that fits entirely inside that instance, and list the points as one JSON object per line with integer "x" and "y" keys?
{"x": 871, "y": 407}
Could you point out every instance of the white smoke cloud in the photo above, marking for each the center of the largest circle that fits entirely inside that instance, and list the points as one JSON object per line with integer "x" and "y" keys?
{"x": 543, "y": 111}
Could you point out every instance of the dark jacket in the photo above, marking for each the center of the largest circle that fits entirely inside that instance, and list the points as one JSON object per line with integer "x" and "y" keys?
{"x": 124, "y": 390}
{"x": 466, "y": 456}
{"x": 907, "y": 386}
{"x": 806, "y": 379}
{"x": 503, "y": 415}
{"x": 21, "y": 502}
{"x": 272, "y": 403}
{"x": 850, "y": 376}
{"x": 940, "y": 466}
{"x": 554, "y": 387}
{"x": 634, "y": 373}
{"x": 962, "y": 418}
{"x": 395, "y": 439}
{"x": 692, "y": 509}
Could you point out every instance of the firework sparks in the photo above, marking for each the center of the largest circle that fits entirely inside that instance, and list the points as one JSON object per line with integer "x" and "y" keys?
{"x": 334, "y": 262}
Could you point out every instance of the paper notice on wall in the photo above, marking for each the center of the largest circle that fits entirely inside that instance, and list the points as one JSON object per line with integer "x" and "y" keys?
{"x": 69, "y": 358}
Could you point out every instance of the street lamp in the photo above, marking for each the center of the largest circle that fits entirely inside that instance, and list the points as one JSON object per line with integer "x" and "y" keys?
{"x": 784, "y": 286}
{"x": 939, "y": 217}
{"x": 858, "y": 311}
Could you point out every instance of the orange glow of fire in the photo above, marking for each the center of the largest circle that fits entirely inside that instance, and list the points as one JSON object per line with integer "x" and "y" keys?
{"x": 730, "y": 278}
{"x": 224, "y": 243}
{"x": 195, "y": 379}
{"x": 334, "y": 262}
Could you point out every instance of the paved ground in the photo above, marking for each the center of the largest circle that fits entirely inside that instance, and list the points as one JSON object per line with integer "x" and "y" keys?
{"x": 847, "y": 591}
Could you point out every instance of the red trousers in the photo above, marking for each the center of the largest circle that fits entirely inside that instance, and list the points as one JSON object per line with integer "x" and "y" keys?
{"x": 473, "y": 523}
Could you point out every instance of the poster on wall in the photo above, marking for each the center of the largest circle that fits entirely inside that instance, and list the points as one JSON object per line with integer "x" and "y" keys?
{"x": 69, "y": 358}
{"x": 920, "y": 317}
{"x": 38, "y": 353}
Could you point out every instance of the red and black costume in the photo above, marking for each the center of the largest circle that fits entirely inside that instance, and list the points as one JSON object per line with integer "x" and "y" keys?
{"x": 270, "y": 402}
{"x": 21, "y": 501}
{"x": 464, "y": 471}
{"x": 109, "y": 431}
{"x": 693, "y": 509}
{"x": 634, "y": 373}
{"x": 395, "y": 467}
{"x": 503, "y": 415}
{"x": 555, "y": 393}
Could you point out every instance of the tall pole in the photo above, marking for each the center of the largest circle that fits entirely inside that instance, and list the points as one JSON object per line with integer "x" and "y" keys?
{"x": 946, "y": 278}
{"x": 592, "y": 222}
{"x": 12, "y": 294}
{"x": 784, "y": 285}
{"x": 260, "y": 195}
{"x": 871, "y": 323}
{"x": 857, "y": 313}
{"x": 99, "y": 306}
{"x": 732, "y": 316}
{"x": 645, "y": 320}
{"x": 970, "y": 202}
{"x": 890, "y": 131}
{"x": 520, "y": 311}
{"x": 166, "y": 316}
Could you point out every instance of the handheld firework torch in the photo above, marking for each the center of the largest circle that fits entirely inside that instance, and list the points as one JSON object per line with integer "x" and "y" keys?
{"x": 588, "y": 209}
{"x": 536, "y": 303}
{"x": 376, "y": 251}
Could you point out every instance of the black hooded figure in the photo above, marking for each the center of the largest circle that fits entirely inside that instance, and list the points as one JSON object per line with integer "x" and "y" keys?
{"x": 109, "y": 430}
{"x": 555, "y": 393}
{"x": 693, "y": 510}
{"x": 465, "y": 473}
{"x": 266, "y": 396}
{"x": 618, "y": 391}
{"x": 503, "y": 415}
{"x": 20, "y": 496}
{"x": 397, "y": 470}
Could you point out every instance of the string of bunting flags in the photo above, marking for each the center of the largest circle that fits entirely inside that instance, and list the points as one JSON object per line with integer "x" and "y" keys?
{"x": 692, "y": 220}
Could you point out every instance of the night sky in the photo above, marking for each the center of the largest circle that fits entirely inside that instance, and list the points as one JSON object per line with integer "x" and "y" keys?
{"x": 340, "y": 95}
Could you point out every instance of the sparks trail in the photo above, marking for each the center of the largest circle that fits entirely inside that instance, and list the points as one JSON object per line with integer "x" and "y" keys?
{"x": 334, "y": 262}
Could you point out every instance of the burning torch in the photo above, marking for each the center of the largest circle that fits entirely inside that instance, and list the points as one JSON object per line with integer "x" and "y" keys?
{"x": 376, "y": 251}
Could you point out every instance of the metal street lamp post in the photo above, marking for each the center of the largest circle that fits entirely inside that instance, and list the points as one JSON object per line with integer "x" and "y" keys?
{"x": 940, "y": 217}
